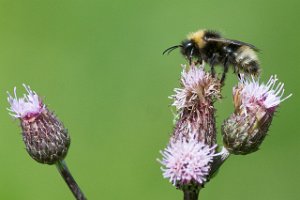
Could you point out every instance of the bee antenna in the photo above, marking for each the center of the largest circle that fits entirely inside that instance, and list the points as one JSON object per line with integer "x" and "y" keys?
{"x": 170, "y": 49}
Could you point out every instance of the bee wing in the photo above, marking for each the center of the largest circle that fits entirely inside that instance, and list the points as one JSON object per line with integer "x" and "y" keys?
{"x": 235, "y": 42}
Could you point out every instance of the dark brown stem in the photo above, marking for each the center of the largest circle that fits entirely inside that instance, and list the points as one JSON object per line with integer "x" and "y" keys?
{"x": 190, "y": 194}
{"x": 65, "y": 173}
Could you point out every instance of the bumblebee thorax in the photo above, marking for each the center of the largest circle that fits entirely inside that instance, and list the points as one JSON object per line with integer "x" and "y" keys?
{"x": 197, "y": 38}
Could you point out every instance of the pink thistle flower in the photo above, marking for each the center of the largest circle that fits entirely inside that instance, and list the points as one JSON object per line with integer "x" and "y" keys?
{"x": 187, "y": 162}
{"x": 197, "y": 85}
{"x": 45, "y": 137}
{"x": 27, "y": 107}
{"x": 252, "y": 95}
{"x": 255, "y": 104}
{"x": 194, "y": 103}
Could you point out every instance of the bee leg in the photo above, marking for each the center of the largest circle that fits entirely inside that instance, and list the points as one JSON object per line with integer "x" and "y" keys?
{"x": 199, "y": 61}
{"x": 236, "y": 71}
{"x": 191, "y": 56}
{"x": 212, "y": 67}
{"x": 226, "y": 63}
{"x": 239, "y": 75}
{"x": 190, "y": 60}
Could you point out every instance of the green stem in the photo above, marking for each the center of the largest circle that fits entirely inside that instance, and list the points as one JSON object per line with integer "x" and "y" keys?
{"x": 66, "y": 174}
{"x": 190, "y": 194}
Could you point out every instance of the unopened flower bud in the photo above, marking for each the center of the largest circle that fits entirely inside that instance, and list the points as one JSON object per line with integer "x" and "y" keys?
{"x": 46, "y": 139}
{"x": 255, "y": 105}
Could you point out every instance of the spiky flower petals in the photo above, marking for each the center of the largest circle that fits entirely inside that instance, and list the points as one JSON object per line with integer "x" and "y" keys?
{"x": 187, "y": 162}
{"x": 194, "y": 104}
{"x": 197, "y": 85}
{"x": 255, "y": 104}
{"x": 27, "y": 107}
{"x": 250, "y": 95}
{"x": 45, "y": 137}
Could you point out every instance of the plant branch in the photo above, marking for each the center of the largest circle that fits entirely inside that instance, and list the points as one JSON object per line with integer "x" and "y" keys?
{"x": 66, "y": 174}
{"x": 189, "y": 194}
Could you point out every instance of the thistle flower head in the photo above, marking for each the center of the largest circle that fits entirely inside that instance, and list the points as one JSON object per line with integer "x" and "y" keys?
{"x": 186, "y": 162}
{"x": 255, "y": 104}
{"x": 250, "y": 95}
{"x": 27, "y": 107}
{"x": 197, "y": 85}
{"x": 45, "y": 137}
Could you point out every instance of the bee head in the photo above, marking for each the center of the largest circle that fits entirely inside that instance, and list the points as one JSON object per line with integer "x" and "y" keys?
{"x": 189, "y": 48}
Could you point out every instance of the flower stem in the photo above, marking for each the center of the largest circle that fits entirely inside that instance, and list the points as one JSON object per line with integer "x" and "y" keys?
{"x": 66, "y": 174}
{"x": 190, "y": 194}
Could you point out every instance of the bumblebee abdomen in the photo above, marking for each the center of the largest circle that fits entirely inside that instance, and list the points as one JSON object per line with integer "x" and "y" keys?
{"x": 246, "y": 60}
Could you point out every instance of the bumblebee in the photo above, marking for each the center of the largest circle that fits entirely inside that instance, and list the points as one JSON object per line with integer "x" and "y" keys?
{"x": 212, "y": 48}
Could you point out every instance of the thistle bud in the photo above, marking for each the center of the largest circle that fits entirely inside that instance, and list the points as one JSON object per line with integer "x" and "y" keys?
{"x": 255, "y": 105}
{"x": 194, "y": 104}
{"x": 46, "y": 139}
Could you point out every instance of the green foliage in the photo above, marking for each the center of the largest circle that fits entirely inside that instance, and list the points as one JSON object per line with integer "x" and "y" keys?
{"x": 99, "y": 66}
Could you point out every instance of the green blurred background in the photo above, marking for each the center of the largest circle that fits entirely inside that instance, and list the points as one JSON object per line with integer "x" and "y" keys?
{"x": 99, "y": 66}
